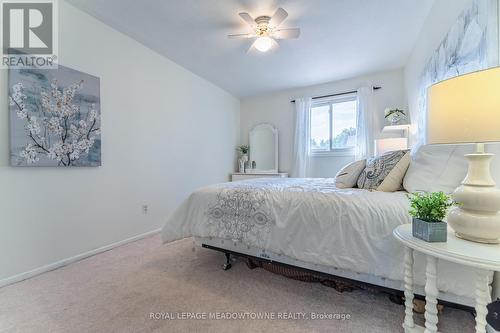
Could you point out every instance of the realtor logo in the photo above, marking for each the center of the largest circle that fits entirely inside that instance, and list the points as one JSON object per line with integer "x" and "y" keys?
{"x": 28, "y": 36}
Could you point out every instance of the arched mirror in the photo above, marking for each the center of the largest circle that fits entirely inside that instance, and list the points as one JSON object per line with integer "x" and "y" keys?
{"x": 264, "y": 148}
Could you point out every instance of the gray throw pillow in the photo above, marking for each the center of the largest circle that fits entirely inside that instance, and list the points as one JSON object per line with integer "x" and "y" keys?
{"x": 377, "y": 168}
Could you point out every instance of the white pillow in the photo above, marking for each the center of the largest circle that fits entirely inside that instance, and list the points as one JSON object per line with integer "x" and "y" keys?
{"x": 394, "y": 180}
{"x": 437, "y": 168}
{"x": 348, "y": 175}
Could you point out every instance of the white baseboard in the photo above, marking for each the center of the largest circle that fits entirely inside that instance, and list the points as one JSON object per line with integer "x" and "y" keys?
{"x": 67, "y": 261}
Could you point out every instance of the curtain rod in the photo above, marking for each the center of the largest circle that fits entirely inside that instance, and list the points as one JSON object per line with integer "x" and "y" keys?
{"x": 339, "y": 94}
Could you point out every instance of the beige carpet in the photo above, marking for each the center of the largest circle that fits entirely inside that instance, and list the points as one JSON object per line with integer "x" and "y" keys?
{"x": 117, "y": 290}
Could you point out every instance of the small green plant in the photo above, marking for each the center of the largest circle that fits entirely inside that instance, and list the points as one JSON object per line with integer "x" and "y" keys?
{"x": 430, "y": 207}
{"x": 243, "y": 149}
{"x": 394, "y": 112}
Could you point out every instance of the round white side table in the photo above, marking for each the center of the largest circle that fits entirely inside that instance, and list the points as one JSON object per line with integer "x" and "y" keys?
{"x": 483, "y": 257}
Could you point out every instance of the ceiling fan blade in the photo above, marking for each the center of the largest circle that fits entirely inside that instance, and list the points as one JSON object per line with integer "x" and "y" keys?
{"x": 278, "y": 17}
{"x": 252, "y": 50}
{"x": 240, "y": 36}
{"x": 286, "y": 33}
{"x": 248, "y": 19}
{"x": 275, "y": 45}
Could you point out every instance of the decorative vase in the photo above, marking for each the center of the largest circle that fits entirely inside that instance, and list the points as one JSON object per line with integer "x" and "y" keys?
{"x": 429, "y": 231}
{"x": 242, "y": 163}
{"x": 395, "y": 119}
{"x": 244, "y": 159}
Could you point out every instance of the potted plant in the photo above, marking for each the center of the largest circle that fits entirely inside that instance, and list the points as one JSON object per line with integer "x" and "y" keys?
{"x": 243, "y": 150}
{"x": 428, "y": 211}
{"x": 394, "y": 116}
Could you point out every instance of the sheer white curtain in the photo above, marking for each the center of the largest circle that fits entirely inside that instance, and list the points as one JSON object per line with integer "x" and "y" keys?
{"x": 302, "y": 141}
{"x": 365, "y": 123}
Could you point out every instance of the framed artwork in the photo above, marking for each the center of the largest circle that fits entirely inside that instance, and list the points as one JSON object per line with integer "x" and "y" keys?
{"x": 55, "y": 118}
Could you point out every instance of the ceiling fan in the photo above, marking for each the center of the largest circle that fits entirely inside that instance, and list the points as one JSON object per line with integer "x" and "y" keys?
{"x": 265, "y": 30}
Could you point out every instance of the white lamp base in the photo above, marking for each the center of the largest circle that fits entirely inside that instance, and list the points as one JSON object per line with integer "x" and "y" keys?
{"x": 476, "y": 239}
{"x": 477, "y": 216}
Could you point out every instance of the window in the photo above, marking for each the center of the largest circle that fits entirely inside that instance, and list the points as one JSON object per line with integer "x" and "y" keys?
{"x": 333, "y": 126}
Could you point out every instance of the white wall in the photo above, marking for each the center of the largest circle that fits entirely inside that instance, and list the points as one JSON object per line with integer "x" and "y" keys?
{"x": 441, "y": 17}
{"x": 165, "y": 131}
{"x": 276, "y": 109}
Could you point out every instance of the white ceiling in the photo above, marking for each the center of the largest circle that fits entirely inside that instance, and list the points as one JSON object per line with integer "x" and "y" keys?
{"x": 340, "y": 38}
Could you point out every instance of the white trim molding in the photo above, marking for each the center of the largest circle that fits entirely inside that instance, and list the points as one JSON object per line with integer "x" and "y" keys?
{"x": 61, "y": 263}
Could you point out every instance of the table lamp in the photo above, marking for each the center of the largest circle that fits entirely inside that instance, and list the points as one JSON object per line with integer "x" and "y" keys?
{"x": 466, "y": 109}
{"x": 390, "y": 144}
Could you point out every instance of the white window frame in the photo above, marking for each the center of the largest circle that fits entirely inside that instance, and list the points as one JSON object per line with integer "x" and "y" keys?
{"x": 332, "y": 151}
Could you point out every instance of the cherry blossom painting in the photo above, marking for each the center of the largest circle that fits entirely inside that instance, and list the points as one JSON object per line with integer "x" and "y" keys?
{"x": 55, "y": 118}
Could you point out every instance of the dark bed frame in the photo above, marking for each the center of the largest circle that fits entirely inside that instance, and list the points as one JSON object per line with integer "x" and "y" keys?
{"x": 396, "y": 296}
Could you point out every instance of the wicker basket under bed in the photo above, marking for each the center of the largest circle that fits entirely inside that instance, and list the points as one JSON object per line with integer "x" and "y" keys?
{"x": 338, "y": 284}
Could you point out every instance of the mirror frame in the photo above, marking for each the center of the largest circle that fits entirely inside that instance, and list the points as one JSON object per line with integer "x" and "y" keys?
{"x": 276, "y": 154}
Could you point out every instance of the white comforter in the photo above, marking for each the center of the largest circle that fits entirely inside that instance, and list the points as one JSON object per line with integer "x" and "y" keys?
{"x": 310, "y": 220}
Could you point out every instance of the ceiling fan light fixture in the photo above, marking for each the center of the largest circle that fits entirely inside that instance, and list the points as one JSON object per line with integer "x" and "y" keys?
{"x": 263, "y": 43}
{"x": 266, "y": 30}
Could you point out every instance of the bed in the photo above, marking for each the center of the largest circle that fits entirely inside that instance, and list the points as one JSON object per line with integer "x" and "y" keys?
{"x": 309, "y": 223}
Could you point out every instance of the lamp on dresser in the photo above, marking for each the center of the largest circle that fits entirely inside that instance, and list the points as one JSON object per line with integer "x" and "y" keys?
{"x": 390, "y": 144}
{"x": 466, "y": 109}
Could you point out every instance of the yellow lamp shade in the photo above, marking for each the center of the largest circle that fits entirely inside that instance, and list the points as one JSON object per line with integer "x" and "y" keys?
{"x": 465, "y": 109}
